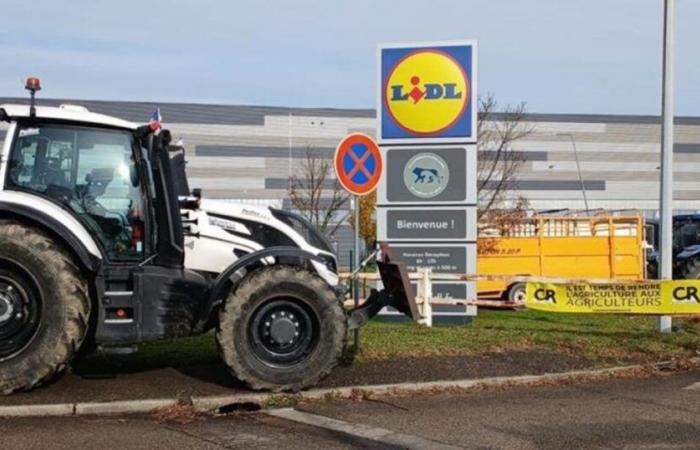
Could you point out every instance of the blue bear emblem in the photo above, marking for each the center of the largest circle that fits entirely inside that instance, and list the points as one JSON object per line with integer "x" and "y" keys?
{"x": 426, "y": 175}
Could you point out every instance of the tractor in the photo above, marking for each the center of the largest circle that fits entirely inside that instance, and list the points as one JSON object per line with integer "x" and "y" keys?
{"x": 686, "y": 247}
{"x": 103, "y": 246}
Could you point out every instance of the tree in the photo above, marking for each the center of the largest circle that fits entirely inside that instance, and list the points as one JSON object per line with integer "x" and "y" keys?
{"x": 306, "y": 192}
{"x": 368, "y": 223}
{"x": 498, "y": 163}
{"x": 497, "y": 168}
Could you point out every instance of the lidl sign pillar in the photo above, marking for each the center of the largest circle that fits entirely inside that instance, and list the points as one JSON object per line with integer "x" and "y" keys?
{"x": 426, "y": 199}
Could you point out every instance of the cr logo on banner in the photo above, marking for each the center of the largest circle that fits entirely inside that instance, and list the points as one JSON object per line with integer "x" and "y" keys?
{"x": 546, "y": 295}
{"x": 685, "y": 294}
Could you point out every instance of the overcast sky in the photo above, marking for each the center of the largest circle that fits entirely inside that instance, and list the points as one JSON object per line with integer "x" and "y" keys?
{"x": 559, "y": 56}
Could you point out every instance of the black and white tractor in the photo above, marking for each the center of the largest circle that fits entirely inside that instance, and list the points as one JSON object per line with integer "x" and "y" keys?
{"x": 103, "y": 246}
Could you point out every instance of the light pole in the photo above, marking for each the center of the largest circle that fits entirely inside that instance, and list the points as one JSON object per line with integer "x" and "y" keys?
{"x": 578, "y": 168}
{"x": 289, "y": 147}
{"x": 666, "y": 194}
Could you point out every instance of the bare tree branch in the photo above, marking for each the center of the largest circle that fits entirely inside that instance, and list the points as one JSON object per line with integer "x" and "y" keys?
{"x": 498, "y": 163}
{"x": 306, "y": 191}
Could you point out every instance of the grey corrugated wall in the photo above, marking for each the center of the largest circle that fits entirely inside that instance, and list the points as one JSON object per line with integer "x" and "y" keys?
{"x": 239, "y": 151}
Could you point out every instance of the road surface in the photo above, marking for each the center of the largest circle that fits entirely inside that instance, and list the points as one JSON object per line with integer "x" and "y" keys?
{"x": 658, "y": 412}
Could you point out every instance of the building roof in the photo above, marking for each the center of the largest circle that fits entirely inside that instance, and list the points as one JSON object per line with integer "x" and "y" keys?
{"x": 72, "y": 113}
{"x": 219, "y": 114}
{"x": 196, "y": 113}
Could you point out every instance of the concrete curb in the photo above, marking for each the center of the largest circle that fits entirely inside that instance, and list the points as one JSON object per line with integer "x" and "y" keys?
{"x": 121, "y": 407}
{"x": 214, "y": 403}
{"x": 63, "y": 409}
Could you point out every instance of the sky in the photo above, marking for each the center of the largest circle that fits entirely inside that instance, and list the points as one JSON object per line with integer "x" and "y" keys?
{"x": 558, "y": 56}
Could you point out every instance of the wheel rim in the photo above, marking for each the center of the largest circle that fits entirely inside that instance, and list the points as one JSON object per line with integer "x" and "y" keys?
{"x": 284, "y": 331}
{"x": 20, "y": 309}
{"x": 519, "y": 296}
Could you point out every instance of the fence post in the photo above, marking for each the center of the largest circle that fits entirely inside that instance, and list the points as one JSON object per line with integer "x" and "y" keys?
{"x": 354, "y": 287}
{"x": 425, "y": 290}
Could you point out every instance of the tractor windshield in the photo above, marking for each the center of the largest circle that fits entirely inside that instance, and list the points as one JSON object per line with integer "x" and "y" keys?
{"x": 686, "y": 234}
{"x": 92, "y": 171}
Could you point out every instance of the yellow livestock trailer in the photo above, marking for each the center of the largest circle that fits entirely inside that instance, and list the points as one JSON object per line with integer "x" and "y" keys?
{"x": 576, "y": 247}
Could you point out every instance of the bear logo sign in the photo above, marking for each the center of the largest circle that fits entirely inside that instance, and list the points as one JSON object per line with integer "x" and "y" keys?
{"x": 426, "y": 175}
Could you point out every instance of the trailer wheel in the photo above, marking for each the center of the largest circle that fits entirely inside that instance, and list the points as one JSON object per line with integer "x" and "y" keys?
{"x": 517, "y": 293}
{"x": 44, "y": 307}
{"x": 281, "y": 329}
{"x": 691, "y": 269}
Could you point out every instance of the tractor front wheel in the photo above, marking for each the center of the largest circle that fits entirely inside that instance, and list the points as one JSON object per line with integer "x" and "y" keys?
{"x": 282, "y": 329}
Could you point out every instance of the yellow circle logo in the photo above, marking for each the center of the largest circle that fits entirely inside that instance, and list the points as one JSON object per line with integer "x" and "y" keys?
{"x": 426, "y": 92}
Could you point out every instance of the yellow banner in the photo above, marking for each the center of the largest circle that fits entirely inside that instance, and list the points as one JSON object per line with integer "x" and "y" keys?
{"x": 651, "y": 297}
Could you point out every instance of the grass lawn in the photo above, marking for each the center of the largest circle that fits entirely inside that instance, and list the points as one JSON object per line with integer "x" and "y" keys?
{"x": 603, "y": 338}
{"x": 598, "y": 337}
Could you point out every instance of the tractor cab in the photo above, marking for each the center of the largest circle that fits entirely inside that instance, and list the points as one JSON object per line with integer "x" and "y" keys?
{"x": 686, "y": 247}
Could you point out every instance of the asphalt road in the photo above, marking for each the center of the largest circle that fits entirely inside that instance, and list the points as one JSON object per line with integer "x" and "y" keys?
{"x": 101, "y": 433}
{"x": 653, "y": 412}
{"x": 656, "y": 412}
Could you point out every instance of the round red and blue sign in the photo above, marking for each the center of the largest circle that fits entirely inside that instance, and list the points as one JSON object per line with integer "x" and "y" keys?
{"x": 358, "y": 164}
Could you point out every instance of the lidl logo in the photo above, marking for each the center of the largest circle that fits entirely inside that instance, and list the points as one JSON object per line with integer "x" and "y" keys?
{"x": 427, "y": 92}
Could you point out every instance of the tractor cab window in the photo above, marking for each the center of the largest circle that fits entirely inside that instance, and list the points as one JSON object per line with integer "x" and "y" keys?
{"x": 92, "y": 172}
{"x": 688, "y": 234}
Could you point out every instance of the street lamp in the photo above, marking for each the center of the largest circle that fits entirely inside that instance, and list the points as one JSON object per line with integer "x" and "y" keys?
{"x": 666, "y": 194}
{"x": 578, "y": 168}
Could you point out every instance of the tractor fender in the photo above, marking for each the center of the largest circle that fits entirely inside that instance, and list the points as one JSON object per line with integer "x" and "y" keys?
{"x": 55, "y": 222}
{"x": 221, "y": 282}
{"x": 689, "y": 252}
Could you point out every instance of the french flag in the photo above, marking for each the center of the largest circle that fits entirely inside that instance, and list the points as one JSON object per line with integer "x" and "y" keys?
{"x": 154, "y": 120}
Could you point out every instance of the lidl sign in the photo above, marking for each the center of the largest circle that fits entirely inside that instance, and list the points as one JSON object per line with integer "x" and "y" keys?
{"x": 427, "y": 93}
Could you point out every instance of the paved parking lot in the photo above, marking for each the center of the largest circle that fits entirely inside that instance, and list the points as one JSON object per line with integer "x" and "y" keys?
{"x": 237, "y": 431}
{"x": 657, "y": 412}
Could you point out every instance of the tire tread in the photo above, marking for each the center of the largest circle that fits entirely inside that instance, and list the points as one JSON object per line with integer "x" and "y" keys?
{"x": 235, "y": 306}
{"x": 74, "y": 291}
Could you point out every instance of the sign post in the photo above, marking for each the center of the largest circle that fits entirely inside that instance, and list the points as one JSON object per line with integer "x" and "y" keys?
{"x": 358, "y": 167}
{"x": 426, "y": 199}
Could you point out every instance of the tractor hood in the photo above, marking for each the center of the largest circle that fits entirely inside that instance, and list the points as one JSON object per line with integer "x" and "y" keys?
{"x": 296, "y": 228}
{"x": 261, "y": 214}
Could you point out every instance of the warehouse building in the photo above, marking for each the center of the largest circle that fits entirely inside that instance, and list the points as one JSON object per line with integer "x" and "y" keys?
{"x": 249, "y": 153}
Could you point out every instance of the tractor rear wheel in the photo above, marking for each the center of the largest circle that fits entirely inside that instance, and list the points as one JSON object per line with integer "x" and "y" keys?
{"x": 282, "y": 329}
{"x": 44, "y": 307}
{"x": 691, "y": 269}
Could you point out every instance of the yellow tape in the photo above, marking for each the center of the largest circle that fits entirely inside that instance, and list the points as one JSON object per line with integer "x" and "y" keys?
{"x": 652, "y": 297}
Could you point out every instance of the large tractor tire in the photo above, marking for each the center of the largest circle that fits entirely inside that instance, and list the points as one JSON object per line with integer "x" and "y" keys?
{"x": 282, "y": 329}
{"x": 690, "y": 270}
{"x": 44, "y": 307}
